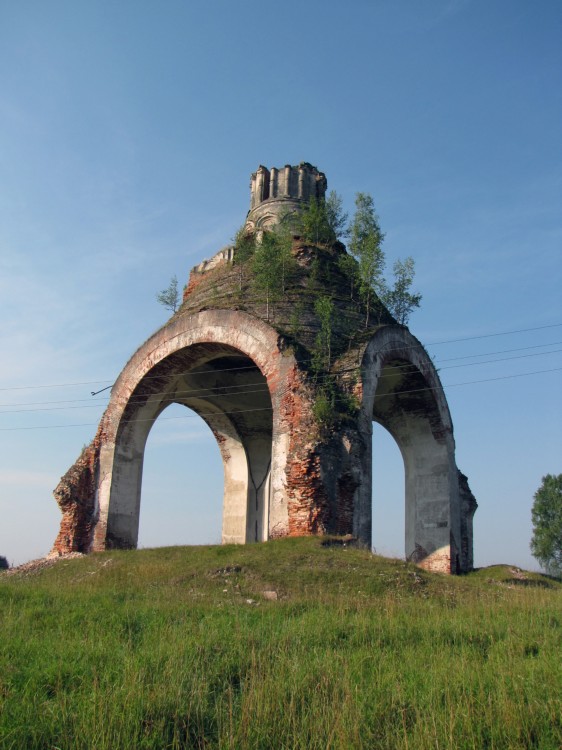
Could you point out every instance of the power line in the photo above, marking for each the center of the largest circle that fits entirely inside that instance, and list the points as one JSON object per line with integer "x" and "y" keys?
{"x": 235, "y": 369}
{"x": 501, "y": 359}
{"x": 172, "y": 398}
{"x": 500, "y": 351}
{"x": 269, "y": 408}
{"x": 491, "y": 335}
{"x": 188, "y": 416}
{"x": 52, "y": 385}
{"x": 233, "y": 390}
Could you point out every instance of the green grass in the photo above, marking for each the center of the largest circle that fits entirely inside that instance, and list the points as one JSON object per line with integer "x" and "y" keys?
{"x": 179, "y": 648}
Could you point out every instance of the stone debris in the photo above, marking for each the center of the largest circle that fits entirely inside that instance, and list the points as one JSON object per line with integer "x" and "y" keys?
{"x": 35, "y": 566}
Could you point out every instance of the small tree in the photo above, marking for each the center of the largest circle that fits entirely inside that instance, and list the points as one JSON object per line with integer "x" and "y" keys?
{"x": 323, "y": 220}
{"x": 337, "y": 218}
{"x": 272, "y": 265}
{"x": 313, "y": 222}
{"x": 287, "y": 264}
{"x": 546, "y": 544}
{"x": 169, "y": 297}
{"x": 400, "y": 300}
{"x": 244, "y": 248}
{"x": 365, "y": 245}
{"x": 350, "y": 268}
{"x": 322, "y": 355}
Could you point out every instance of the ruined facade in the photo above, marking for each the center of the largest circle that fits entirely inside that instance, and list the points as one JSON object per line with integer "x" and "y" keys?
{"x": 296, "y": 440}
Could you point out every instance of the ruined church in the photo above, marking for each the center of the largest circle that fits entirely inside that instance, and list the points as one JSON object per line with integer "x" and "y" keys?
{"x": 290, "y": 398}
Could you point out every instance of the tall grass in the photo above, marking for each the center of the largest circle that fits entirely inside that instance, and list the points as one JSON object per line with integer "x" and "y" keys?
{"x": 179, "y": 648}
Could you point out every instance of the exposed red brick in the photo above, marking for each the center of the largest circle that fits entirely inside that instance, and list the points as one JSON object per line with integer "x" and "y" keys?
{"x": 75, "y": 495}
{"x": 193, "y": 282}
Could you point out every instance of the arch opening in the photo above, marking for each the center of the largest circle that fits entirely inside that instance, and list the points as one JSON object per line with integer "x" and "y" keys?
{"x": 230, "y": 393}
{"x": 388, "y": 498}
{"x": 182, "y": 482}
{"x": 406, "y": 404}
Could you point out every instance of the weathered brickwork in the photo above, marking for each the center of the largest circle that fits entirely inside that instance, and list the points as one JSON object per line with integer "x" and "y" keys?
{"x": 438, "y": 562}
{"x": 76, "y": 497}
{"x": 245, "y": 367}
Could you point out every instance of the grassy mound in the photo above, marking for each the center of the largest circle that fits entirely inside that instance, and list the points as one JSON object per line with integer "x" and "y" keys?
{"x": 289, "y": 644}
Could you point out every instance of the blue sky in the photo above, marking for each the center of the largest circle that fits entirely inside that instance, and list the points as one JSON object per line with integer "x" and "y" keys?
{"x": 128, "y": 132}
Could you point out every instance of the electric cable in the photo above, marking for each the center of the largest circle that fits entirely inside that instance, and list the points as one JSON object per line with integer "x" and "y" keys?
{"x": 232, "y": 389}
{"x": 269, "y": 408}
{"x": 217, "y": 392}
{"x": 415, "y": 346}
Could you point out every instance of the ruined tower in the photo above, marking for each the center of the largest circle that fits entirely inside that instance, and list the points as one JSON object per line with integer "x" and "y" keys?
{"x": 294, "y": 429}
{"x": 278, "y": 193}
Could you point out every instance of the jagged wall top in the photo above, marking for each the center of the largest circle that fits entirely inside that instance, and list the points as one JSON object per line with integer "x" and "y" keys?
{"x": 275, "y": 193}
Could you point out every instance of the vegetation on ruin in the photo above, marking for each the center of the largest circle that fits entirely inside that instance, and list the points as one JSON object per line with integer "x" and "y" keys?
{"x": 289, "y": 274}
{"x": 272, "y": 269}
{"x": 322, "y": 299}
{"x": 169, "y": 297}
{"x": 322, "y": 221}
{"x": 182, "y": 647}
{"x": 365, "y": 245}
{"x": 273, "y": 266}
{"x": 398, "y": 298}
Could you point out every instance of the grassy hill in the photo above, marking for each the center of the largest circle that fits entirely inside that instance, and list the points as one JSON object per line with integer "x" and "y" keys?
{"x": 289, "y": 644}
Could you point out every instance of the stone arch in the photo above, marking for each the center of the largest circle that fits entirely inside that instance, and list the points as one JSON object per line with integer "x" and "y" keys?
{"x": 227, "y": 367}
{"x": 403, "y": 393}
